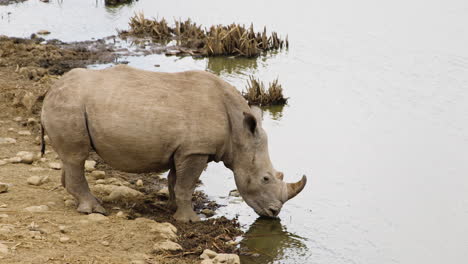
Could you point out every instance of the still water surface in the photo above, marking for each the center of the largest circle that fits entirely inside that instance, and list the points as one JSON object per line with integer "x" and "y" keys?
{"x": 377, "y": 119}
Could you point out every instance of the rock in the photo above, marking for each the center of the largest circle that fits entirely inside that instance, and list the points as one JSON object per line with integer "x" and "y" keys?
{"x": 3, "y": 206}
{"x": 32, "y": 121}
{"x": 164, "y": 192}
{"x": 62, "y": 229}
{"x": 24, "y": 133}
{"x": 105, "y": 243}
{"x": 226, "y": 259}
{"x": 208, "y": 254}
{"x": 3, "y": 187}
{"x": 3, "y": 249}
{"x": 43, "y": 32}
{"x": 123, "y": 193}
{"x": 234, "y": 193}
{"x": 37, "y": 209}
{"x": 34, "y": 180}
{"x": 166, "y": 246}
{"x": 139, "y": 183}
{"x": 3, "y": 162}
{"x": 4, "y": 141}
{"x": 13, "y": 160}
{"x": 101, "y": 181}
{"x": 231, "y": 243}
{"x": 97, "y": 174}
{"x": 55, "y": 165}
{"x": 70, "y": 203}
{"x": 121, "y": 214}
{"x": 11, "y": 129}
{"x": 206, "y": 261}
{"x": 64, "y": 239}
{"x": 90, "y": 165}
{"x": 207, "y": 212}
{"x": 26, "y": 157}
{"x": 97, "y": 217}
{"x": 18, "y": 119}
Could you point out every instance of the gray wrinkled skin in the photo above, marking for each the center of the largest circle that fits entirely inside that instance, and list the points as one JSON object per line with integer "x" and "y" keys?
{"x": 141, "y": 121}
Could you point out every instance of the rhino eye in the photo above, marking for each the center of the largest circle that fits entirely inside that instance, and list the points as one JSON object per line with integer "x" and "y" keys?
{"x": 266, "y": 179}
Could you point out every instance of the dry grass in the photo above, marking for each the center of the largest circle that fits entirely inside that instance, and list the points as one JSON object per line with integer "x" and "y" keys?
{"x": 230, "y": 40}
{"x": 256, "y": 94}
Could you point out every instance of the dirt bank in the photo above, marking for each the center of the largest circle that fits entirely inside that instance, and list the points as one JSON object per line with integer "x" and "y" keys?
{"x": 53, "y": 232}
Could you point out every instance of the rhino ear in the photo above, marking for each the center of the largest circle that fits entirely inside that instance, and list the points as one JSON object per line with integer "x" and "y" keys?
{"x": 258, "y": 113}
{"x": 250, "y": 122}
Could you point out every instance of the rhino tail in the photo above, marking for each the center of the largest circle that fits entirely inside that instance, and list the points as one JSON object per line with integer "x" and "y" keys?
{"x": 43, "y": 145}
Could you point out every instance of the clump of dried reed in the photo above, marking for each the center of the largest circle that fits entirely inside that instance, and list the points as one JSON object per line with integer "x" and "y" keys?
{"x": 256, "y": 94}
{"x": 230, "y": 40}
{"x": 142, "y": 27}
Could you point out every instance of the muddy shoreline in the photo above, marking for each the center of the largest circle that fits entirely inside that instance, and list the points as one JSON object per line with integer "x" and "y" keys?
{"x": 28, "y": 67}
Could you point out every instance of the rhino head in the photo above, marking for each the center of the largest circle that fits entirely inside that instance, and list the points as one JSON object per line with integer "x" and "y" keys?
{"x": 259, "y": 184}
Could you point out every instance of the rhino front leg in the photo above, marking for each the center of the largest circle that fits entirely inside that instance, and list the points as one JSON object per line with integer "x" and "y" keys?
{"x": 76, "y": 184}
{"x": 188, "y": 171}
{"x": 171, "y": 180}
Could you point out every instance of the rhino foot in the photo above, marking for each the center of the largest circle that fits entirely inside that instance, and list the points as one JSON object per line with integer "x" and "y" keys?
{"x": 91, "y": 206}
{"x": 186, "y": 216}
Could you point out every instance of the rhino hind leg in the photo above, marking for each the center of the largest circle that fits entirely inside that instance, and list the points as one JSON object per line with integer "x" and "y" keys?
{"x": 188, "y": 171}
{"x": 76, "y": 185}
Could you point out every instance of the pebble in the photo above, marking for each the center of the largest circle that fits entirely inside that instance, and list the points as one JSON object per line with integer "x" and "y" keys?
{"x": 163, "y": 192}
{"x": 97, "y": 174}
{"x": 26, "y": 157}
{"x": 208, "y": 253}
{"x": 121, "y": 214}
{"x": 234, "y": 193}
{"x": 43, "y": 32}
{"x": 3, "y": 249}
{"x": 37, "y": 209}
{"x": 139, "y": 183}
{"x": 18, "y": 119}
{"x": 3, "y": 206}
{"x": 207, "y": 212}
{"x": 97, "y": 217}
{"x": 34, "y": 180}
{"x": 11, "y": 129}
{"x": 32, "y": 121}
{"x": 105, "y": 243}
{"x": 24, "y": 133}
{"x": 4, "y": 141}
{"x": 166, "y": 246}
{"x": 64, "y": 239}
{"x": 3, "y": 215}
{"x": 3, "y": 162}
{"x": 3, "y": 187}
{"x": 55, "y": 165}
{"x": 62, "y": 229}
{"x": 101, "y": 181}
{"x": 90, "y": 165}
{"x": 123, "y": 192}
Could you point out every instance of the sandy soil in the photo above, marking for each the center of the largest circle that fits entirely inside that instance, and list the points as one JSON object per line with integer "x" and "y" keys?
{"x": 60, "y": 234}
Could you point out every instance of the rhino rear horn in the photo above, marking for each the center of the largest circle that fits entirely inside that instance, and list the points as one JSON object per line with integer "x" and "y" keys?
{"x": 295, "y": 188}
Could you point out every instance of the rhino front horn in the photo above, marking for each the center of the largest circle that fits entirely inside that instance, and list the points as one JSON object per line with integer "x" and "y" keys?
{"x": 295, "y": 188}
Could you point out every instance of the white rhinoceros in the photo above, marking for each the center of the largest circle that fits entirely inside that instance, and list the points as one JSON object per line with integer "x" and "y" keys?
{"x": 142, "y": 121}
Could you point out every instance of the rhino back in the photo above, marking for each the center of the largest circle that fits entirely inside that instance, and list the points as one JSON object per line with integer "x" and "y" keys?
{"x": 137, "y": 120}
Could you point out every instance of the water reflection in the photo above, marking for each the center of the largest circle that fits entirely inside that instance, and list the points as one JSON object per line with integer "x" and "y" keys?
{"x": 275, "y": 111}
{"x": 230, "y": 65}
{"x": 271, "y": 241}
